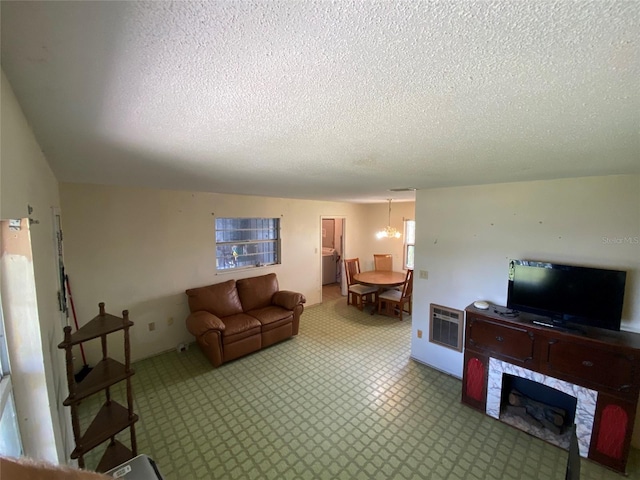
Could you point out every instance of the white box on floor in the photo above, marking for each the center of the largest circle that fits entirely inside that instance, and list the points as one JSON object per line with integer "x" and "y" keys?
{"x": 141, "y": 467}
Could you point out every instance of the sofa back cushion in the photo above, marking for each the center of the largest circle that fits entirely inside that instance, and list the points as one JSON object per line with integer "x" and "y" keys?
{"x": 220, "y": 299}
{"x": 256, "y": 292}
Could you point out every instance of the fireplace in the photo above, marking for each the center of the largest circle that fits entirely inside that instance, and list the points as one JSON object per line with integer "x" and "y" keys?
{"x": 582, "y": 414}
{"x": 599, "y": 372}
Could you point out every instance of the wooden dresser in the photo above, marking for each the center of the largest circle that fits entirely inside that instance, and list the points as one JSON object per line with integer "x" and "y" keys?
{"x": 601, "y": 360}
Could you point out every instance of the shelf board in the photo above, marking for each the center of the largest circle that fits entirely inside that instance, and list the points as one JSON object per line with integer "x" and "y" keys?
{"x": 110, "y": 420}
{"x": 114, "y": 455}
{"x": 107, "y": 372}
{"x": 97, "y": 327}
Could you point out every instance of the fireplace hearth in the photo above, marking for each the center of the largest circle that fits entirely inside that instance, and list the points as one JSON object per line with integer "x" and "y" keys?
{"x": 538, "y": 414}
{"x": 537, "y": 409}
{"x": 562, "y": 440}
{"x": 581, "y": 406}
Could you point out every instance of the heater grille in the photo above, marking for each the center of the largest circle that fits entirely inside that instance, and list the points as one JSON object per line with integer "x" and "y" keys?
{"x": 446, "y": 327}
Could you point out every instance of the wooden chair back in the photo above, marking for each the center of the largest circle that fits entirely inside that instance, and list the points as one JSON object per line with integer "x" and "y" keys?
{"x": 383, "y": 262}
{"x": 407, "y": 288}
{"x": 351, "y": 267}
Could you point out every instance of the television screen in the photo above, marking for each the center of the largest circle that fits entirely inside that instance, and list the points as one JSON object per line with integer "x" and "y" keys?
{"x": 567, "y": 294}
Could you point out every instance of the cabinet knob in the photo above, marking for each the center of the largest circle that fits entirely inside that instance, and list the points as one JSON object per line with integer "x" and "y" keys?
{"x": 499, "y": 338}
{"x": 587, "y": 363}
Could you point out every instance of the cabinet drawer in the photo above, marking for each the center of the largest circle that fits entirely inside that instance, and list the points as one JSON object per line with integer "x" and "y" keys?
{"x": 590, "y": 365}
{"x": 512, "y": 344}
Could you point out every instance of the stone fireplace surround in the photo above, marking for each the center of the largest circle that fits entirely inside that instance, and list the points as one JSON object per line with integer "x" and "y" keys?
{"x": 586, "y": 398}
{"x": 580, "y": 362}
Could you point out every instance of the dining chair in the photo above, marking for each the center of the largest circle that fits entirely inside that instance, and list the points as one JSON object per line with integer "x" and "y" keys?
{"x": 395, "y": 302}
{"x": 383, "y": 262}
{"x": 358, "y": 294}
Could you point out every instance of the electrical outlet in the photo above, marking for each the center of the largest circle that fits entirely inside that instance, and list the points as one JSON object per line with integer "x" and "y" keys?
{"x": 423, "y": 274}
{"x": 152, "y": 326}
{"x": 419, "y": 333}
{"x": 170, "y": 321}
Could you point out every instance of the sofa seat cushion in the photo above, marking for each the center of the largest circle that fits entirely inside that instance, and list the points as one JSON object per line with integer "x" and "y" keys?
{"x": 272, "y": 316}
{"x": 239, "y": 326}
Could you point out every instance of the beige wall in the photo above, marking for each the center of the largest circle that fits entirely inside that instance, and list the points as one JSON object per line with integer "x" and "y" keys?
{"x": 466, "y": 236}
{"x": 37, "y": 365}
{"x": 139, "y": 249}
{"x": 377, "y": 218}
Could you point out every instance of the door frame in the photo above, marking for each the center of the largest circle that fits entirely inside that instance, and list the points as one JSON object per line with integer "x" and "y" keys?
{"x": 10, "y": 438}
{"x": 343, "y": 246}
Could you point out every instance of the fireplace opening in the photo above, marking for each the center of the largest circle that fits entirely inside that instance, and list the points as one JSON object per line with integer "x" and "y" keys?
{"x": 537, "y": 409}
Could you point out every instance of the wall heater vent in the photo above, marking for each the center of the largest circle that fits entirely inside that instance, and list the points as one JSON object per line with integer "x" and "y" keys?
{"x": 446, "y": 327}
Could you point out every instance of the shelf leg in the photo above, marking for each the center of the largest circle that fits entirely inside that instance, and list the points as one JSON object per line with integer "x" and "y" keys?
{"x": 134, "y": 444}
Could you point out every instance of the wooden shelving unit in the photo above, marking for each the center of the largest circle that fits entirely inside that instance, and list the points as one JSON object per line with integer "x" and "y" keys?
{"x": 112, "y": 418}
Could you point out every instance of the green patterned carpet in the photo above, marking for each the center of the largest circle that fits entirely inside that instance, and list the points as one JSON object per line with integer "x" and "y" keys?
{"x": 342, "y": 400}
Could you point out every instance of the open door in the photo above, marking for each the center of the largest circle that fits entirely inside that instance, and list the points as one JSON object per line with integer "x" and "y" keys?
{"x": 332, "y": 242}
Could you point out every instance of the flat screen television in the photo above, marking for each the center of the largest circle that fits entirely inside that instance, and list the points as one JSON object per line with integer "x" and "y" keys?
{"x": 567, "y": 294}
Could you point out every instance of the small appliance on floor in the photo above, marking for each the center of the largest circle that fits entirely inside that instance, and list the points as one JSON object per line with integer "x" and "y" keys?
{"x": 141, "y": 467}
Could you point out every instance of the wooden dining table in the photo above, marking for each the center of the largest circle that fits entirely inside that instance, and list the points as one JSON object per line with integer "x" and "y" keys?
{"x": 380, "y": 279}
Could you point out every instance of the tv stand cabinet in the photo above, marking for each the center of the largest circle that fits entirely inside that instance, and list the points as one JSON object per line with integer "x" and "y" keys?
{"x": 601, "y": 360}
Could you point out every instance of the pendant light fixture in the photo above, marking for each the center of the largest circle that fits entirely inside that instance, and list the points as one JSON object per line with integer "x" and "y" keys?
{"x": 388, "y": 231}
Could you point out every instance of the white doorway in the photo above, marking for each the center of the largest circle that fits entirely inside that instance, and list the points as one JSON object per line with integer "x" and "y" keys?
{"x": 10, "y": 440}
{"x": 25, "y": 349}
{"x": 332, "y": 241}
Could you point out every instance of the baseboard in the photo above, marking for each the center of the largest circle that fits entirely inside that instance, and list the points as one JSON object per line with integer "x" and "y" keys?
{"x": 434, "y": 368}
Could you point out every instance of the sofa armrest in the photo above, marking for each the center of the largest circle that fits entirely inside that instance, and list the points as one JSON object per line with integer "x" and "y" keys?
{"x": 287, "y": 299}
{"x": 199, "y": 323}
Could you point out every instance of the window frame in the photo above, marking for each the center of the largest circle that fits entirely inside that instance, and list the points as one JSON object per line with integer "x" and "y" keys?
{"x": 409, "y": 245}
{"x": 263, "y": 235}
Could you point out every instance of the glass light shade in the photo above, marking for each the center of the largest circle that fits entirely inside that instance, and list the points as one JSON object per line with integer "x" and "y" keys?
{"x": 388, "y": 232}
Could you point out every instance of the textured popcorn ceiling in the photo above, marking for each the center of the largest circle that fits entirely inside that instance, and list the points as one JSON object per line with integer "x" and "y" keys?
{"x": 338, "y": 100}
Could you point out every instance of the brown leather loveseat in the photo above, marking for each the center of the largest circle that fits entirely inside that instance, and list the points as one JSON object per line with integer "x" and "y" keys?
{"x": 234, "y": 318}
